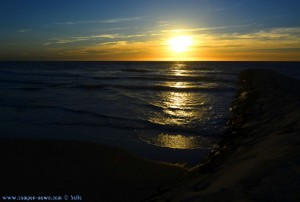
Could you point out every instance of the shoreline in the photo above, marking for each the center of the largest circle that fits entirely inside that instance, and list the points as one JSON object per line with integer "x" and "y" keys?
{"x": 258, "y": 157}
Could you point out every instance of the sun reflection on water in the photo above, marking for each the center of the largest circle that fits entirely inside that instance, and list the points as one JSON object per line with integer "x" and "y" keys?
{"x": 177, "y": 141}
{"x": 179, "y": 69}
{"x": 176, "y": 100}
{"x": 180, "y": 109}
{"x": 178, "y": 85}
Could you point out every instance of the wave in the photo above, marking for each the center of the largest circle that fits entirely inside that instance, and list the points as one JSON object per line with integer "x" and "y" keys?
{"x": 36, "y": 82}
{"x": 167, "y": 78}
{"x": 39, "y": 74}
{"x": 77, "y": 117}
{"x": 136, "y": 70}
{"x": 155, "y": 88}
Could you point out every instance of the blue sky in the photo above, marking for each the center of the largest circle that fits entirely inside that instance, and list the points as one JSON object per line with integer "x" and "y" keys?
{"x": 139, "y": 30}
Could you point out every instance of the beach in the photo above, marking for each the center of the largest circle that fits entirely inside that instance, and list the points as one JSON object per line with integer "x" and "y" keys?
{"x": 154, "y": 101}
{"x": 258, "y": 157}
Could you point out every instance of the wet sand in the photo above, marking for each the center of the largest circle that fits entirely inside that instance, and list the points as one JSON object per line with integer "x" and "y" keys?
{"x": 258, "y": 159}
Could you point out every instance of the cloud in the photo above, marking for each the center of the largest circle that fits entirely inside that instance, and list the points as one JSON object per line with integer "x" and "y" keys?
{"x": 277, "y": 38}
{"x": 113, "y": 20}
{"x": 116, "y": 20}
{"x": 162, "y": 23}
{"x": 206, "y": 28}
{"x": 278, "y": 34}
{"x": 78, "y": 39}
{"x": 119, "y": 49}
{"x": 91, "y": 37}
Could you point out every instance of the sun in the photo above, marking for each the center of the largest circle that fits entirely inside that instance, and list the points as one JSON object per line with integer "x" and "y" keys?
{"x": 180, "y": 43}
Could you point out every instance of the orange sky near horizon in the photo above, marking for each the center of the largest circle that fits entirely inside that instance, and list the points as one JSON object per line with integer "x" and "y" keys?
{"x": 205, "y": 47}
{"x": 269, "y": 47}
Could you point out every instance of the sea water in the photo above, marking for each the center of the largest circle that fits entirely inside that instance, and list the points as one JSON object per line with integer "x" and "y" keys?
{"x": 164, "y": 111}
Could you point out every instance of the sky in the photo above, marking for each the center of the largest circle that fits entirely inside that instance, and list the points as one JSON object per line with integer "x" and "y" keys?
{"x": 125, "y": 30}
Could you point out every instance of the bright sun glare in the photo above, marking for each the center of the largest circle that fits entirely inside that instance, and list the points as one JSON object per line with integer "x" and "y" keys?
{"x": 180, "y": 43}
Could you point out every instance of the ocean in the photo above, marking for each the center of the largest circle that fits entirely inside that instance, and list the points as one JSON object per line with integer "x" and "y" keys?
{"x": 164, "y": 111}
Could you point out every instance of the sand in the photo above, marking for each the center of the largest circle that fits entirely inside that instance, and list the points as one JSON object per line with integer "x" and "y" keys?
{"x": 95, "y": 172}
{"x": 258, "y": 159}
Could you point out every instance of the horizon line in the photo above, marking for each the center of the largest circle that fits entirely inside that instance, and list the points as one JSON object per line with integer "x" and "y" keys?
{"x": 149, "y": 60}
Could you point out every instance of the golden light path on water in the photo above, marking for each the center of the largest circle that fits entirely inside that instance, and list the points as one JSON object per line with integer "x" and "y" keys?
{"x": 179, "y": 111}
{"x": 177, "y": 141}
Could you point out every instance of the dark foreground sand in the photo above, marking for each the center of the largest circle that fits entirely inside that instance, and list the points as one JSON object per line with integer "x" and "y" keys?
{"x": 96, "y": 172}
{"x": 259, "y": 158}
